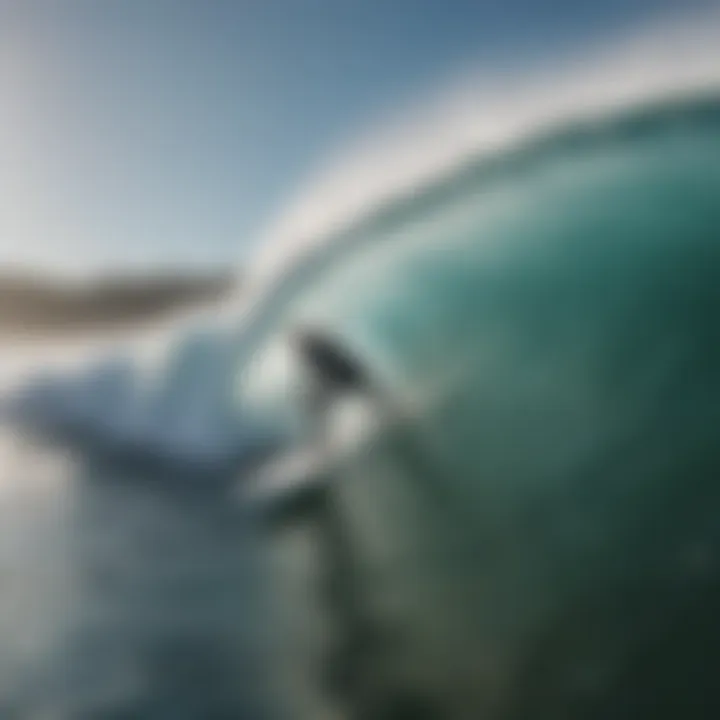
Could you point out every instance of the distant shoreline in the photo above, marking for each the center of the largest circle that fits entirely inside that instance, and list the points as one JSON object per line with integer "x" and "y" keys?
{"x": 30, "y": 305}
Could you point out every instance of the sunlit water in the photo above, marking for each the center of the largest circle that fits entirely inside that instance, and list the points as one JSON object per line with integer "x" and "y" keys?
{"x": 120, "y": 599}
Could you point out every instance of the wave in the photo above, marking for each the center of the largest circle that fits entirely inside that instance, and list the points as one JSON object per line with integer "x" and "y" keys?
{"x": 637, "y": 90}
{"x": 485, "y": 113}
{"x": 478, "y": 126}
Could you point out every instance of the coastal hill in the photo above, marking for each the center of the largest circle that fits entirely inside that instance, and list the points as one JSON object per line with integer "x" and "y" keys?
{"x": 43, "y": 304}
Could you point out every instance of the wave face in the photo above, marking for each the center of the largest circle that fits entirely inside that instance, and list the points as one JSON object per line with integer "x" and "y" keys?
{"x": 457, "y": 210}
{"x": 548, "y": 318}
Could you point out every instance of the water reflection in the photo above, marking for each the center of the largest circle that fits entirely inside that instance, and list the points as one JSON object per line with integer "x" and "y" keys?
{"x": 122, "y": 599}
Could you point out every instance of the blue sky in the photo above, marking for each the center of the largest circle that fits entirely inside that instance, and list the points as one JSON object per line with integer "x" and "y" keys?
{"x": 169, "y": 132}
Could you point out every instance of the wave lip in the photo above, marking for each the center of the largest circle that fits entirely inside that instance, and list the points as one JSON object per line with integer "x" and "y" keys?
{"x": 483, "y": 116}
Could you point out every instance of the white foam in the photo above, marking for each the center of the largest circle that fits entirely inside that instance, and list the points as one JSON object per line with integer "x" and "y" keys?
{"x": 481, "y": 113}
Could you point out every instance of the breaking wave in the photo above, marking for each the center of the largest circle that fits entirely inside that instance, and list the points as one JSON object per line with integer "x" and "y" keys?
{"x": 476, "y": 132}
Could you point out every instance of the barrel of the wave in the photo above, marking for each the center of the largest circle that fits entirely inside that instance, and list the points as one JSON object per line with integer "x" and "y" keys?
{"x": 528, "y": 529}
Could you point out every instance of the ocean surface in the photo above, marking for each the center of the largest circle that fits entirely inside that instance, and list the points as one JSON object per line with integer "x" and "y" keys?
{"x": 123, "y": 596}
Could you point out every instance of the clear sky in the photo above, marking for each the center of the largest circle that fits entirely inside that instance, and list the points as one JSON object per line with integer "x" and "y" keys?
{"x": 138, "y": 132}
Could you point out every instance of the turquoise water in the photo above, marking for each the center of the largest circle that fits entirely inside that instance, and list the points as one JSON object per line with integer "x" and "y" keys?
{"x": 123, "y": 597}
{"x": 545, "y": 325}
